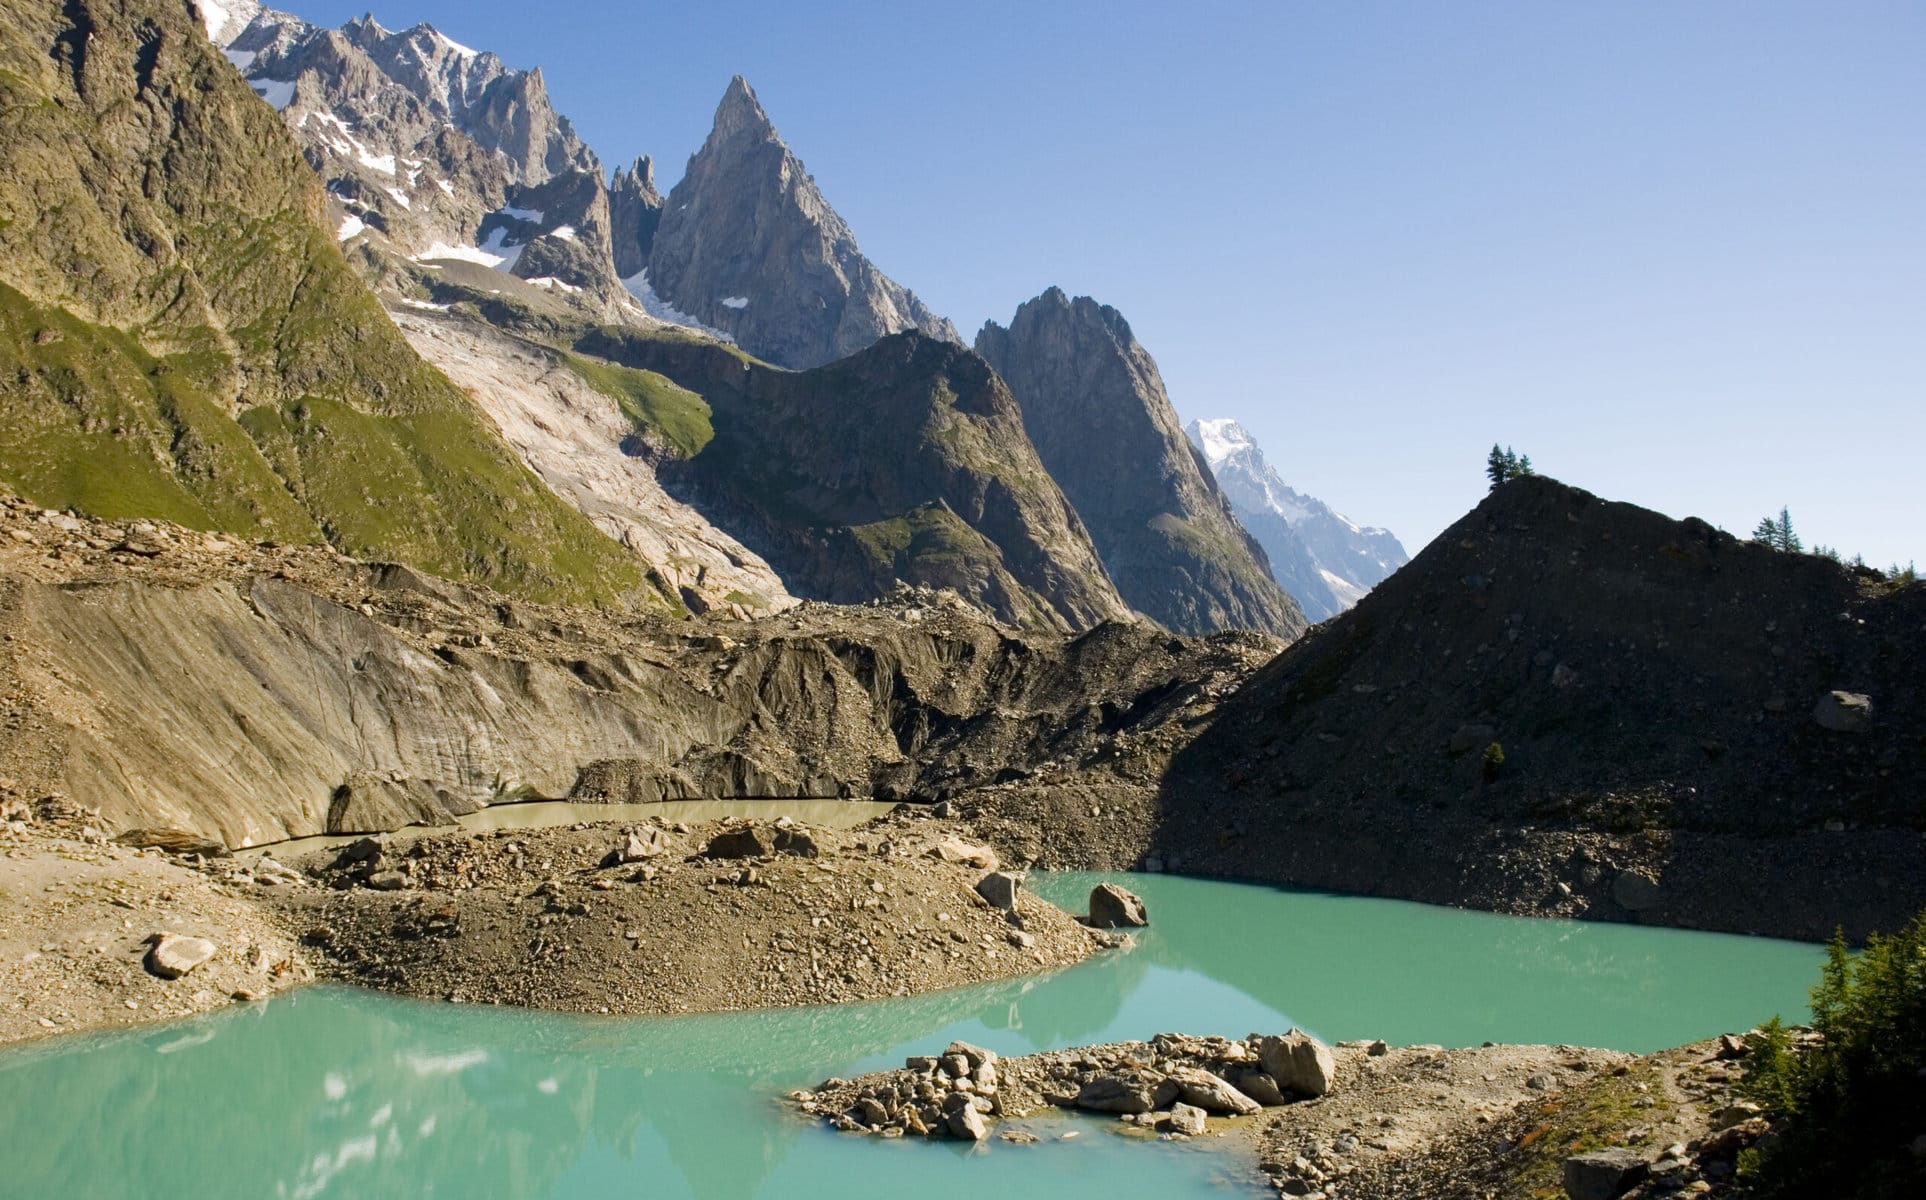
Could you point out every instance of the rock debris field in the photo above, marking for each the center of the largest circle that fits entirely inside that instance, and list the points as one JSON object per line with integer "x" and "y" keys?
{"x": 657, "y": 918}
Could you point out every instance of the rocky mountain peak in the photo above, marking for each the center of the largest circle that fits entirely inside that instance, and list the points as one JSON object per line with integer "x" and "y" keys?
{"x": 1095, "y": 406}
{"x": 640, "y": 176}
{"x": 225, "y": 19}
{"x": 740, "y": 113}
{"x": 1323, "y": 559}
{"x": 635, "y": 212}
{"x": 748, "y": 245}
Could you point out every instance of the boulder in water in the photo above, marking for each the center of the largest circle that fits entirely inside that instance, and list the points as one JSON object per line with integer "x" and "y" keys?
{"x": 1112, "y": 907}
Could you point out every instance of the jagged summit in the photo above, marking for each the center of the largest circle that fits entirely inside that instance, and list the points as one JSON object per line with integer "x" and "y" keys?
{"x": 1325, "y": 560}
{"x": 1095, "y": 406}
{"x": 635, "y": 212}
{"x": 740, "y": 111}
{"x": 748, "y": 245}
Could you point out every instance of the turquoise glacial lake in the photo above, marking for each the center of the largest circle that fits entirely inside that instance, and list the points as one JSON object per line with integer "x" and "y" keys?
{"x": 341, "y": 1093}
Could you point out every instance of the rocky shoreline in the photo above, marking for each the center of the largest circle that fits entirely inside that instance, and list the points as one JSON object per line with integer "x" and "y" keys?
{"x": 638, "y": 918}
{"x": 1360, "y": 1120}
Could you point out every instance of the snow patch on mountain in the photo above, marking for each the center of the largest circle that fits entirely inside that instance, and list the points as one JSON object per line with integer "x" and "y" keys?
{"x": 655, "y": 306}
{"x": 1323, "y": 558}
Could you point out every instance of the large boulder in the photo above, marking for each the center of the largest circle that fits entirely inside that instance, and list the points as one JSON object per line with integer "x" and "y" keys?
{"x": 637, "y": 847}
{"x": 1259, "y": 1086}
{"x": 1111, "y": 907}
{"x": 1843, "y": 712}
{"x": 743, "y": 842}
{"x": 1635, "y": 891}
{"x": 968, "y": 1124}
{"x": 1603, "y": 1174}
{"x": 1298, "y": 1062}
{"x": 956, "y": 850}
{"x": 1122, "y": 1093}
{"x": 1212, "y": 1094}
{"x": 172, "y": 955}
{"x": 1000, "y": 889}
{"x": 1188, "y": 1120}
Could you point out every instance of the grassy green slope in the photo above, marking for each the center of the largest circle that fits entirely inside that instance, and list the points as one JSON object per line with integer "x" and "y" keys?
{"x": 181, "y": 338}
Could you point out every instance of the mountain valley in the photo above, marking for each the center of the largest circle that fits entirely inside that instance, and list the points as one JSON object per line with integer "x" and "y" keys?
{"x": 376, "y": 465}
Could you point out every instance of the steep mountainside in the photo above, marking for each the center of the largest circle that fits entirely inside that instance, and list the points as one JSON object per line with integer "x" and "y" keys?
{"x": 1663, "y": 696}
{"x": 748, "y": 245}
{"x": 907, "y": 461}
{"x": 185, "y": 341}
{"x": 1323, "y": 559}
{"x": 1096, "y": 409}
{"x": 578, "y": 424}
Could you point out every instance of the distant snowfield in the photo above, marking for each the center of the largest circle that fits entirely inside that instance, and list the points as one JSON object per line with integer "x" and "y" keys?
{"x": 473, "y": 254}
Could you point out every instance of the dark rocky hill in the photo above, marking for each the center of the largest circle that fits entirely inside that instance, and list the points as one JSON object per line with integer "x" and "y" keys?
{"x": 1095, "y": 406}
{"x": 1664, "y": 698}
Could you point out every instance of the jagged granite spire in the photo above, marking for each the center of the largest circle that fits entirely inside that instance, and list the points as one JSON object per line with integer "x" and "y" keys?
{"x": 748, "y": 245}
{"x": 635, "y": 209}
{"x": 1326, "y": 561}
{"x": 1096, "y": 409}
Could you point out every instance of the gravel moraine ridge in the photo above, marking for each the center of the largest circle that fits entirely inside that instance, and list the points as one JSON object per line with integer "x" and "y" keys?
{"x": 653, "y": 918}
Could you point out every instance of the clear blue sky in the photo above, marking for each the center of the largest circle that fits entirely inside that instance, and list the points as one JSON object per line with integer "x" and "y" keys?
{"x": 1674, "y": 251}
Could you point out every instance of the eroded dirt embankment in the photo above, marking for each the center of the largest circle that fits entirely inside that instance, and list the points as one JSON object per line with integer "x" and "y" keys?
{"x": 255, "y": 692}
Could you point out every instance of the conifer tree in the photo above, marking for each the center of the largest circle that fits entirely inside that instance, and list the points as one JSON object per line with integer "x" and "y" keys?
{"x": 1503, "y": 463}
{"x": 1777, "y": 533}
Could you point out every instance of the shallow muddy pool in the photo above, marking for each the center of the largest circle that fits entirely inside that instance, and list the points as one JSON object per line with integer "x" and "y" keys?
{"x": 333, "y": 1092}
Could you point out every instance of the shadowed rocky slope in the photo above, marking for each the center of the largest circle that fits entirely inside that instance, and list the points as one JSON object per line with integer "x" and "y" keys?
{"x": 907, "y": 461}
{"x": 1663, "y": 698}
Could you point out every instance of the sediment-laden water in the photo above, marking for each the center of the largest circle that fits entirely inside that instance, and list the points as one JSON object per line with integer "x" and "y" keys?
{"x": 334, "y": 1092}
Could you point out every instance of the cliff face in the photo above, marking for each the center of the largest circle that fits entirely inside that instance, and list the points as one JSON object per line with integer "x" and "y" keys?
{"x": 185, "y": 341}
{"x": 748, "y": 245}
{"x": 1096, "y": 409}
{"x": 323, "y": 694}
{"x": 905, "y": 462}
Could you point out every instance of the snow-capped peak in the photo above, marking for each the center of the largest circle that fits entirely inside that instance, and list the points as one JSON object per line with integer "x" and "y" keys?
{"x": 225, "y": 19}
{"x": 1220, "y": 438}
{"x": 1323, "y": 558}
